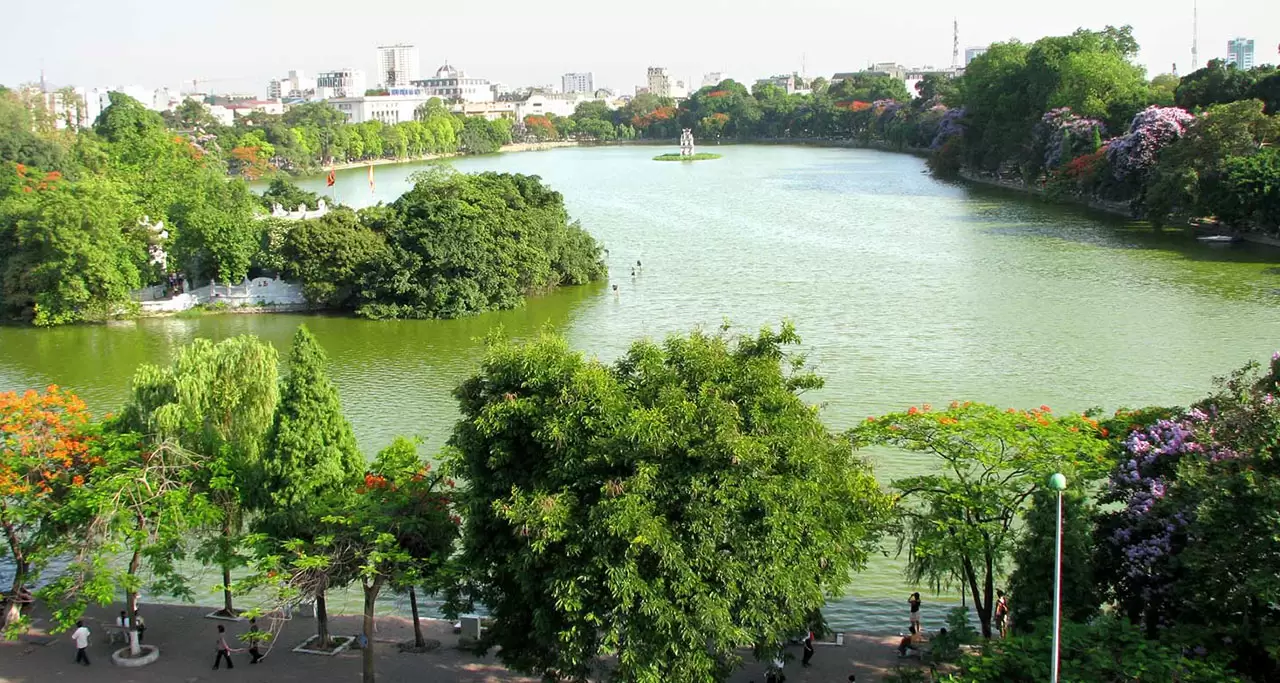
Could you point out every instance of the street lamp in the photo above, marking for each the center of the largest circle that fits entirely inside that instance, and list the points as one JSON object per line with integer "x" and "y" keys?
{"x": 1058, "y": 483}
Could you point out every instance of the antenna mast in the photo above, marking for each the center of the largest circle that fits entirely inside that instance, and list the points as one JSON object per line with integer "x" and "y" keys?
{"x": 955, "y": 44}
{"x": 1195, "y": 35}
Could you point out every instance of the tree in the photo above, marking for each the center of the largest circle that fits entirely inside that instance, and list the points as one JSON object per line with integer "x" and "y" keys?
{"x": 1162, "y": 90}
{"x": 402, "y": 527}
{"x": 77, "y": 252}
{"x": 1218, "y": 82}
{"x": 289, "y": 196}
{"x": 668, "y": 508}
{"x": 330, "y": 256}
{"x": 310, "y": 462}
{"x": 1031, "y": 584}
{"x": 218, "y": 402}
{"x": 959, "y": 523}
{"x": 44, "y": 457}
{"x": 468, "y": 243}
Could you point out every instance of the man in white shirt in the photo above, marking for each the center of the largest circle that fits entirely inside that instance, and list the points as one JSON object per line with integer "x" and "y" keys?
{"x": 81, "y": 638}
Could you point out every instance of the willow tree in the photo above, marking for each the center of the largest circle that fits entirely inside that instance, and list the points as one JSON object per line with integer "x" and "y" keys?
{"x": 216, "y": 401}
{"x": 310, "y": 463}
{"x": 959, "y": 520}
{"x": 668, "y": 508}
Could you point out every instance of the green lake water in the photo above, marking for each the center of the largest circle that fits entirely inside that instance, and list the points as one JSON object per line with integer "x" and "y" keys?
{"x": 906, "y": 290}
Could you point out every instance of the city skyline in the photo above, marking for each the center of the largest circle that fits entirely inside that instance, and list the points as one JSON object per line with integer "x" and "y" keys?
{"x": 99, "y": 45}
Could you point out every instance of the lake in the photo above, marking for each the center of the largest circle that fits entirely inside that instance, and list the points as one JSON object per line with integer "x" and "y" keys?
{"x": 906, "y": 290}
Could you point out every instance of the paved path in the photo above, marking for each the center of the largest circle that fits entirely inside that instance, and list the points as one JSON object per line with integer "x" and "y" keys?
{"x": 186, "y": 640}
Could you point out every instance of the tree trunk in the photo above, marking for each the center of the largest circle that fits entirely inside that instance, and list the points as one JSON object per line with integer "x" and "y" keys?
{"x": 226, "y": 565}
{"x": 983, "y": 610}
{"x": 14, "y": 611}
{"x": 226, "y": 591}
{"x": 418, "y": 640}
{"x": 322, "y": 621}
{"x": 131, "y": 603}
{"x": 370, "y": 597}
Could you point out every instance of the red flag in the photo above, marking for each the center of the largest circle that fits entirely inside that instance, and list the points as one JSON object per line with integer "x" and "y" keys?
{"x": 370, "y": 178}
{"x": 331, "y": 179}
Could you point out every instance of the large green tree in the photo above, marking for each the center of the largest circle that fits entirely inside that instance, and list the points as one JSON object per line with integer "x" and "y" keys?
{"x": 75, "y": 250}
{"x": 959, "y": 523}
{"x": 668, "y": 508}
{"x": 310, "y": 464}
{"x": 218, "y": 402}
{"x": 1031, "y": 584}
{"x": 330, "y": 257}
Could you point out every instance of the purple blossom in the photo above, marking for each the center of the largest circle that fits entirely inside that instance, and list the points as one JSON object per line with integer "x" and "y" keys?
{"x": 1063, "y": 136}
{"x": 948, "y": 128}
{"x": 1133, "y": 154}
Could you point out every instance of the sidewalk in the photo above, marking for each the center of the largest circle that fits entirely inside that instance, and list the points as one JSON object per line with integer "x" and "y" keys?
{"x": 186, "y": 640}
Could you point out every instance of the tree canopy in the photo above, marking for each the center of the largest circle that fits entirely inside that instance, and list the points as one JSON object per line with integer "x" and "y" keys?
{"x": 670, "y": 507}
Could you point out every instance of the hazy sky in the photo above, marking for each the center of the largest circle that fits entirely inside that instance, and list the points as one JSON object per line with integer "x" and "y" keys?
{"x": 242, "y": 44}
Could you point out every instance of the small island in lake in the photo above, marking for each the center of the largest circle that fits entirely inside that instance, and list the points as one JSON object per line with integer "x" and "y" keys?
{"x": 686, "y": 150}
{"x": 701, "y": 156}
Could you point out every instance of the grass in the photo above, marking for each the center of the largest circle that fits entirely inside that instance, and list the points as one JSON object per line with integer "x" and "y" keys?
{"x": 700, "y": 156}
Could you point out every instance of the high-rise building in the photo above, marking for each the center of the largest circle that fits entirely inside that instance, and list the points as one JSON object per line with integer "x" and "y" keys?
{"x": 572, "y": 83}
{"x": 397, "y": 65}
{"x": 340, "y": 83}
{"x": 973, "y": 53}
{"x": 659, "y": 81}
{"x": 1240, "y": 52}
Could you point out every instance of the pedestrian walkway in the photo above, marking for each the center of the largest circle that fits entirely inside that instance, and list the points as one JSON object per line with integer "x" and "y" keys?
{"x": 186, "y": 640}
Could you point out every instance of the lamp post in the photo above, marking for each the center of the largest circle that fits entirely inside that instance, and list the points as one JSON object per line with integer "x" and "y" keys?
{"x": 1058, "y": 483}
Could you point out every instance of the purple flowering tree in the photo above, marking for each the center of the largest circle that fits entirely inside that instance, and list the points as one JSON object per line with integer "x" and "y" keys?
{"x": 1061, "y": 136}
{"x": 1133, "y": 154}
{"x": 949, "y": 127}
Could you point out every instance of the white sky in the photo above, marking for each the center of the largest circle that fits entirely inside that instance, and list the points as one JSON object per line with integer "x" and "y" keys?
{"x": 244, "y": 43}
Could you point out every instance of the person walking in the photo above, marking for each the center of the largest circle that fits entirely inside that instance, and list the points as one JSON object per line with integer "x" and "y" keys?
{"x": 253, "y": 642}
{"x": 224, "y": 650}
{"x": 81, "y": 638}
{"x": 808, "y": 649}
{"x": 914, "y": 602}
{"x": 1002, "y": 613}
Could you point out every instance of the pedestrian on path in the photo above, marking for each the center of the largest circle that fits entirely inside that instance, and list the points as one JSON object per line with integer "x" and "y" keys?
{"x": 914, "y": 602}
{"x": 808, "y": 649}
{"x": 139, "y": 625}
{"x": 81, "y": 638}
{"x": 224, "y": 650}
{"x": 253, "y": 642}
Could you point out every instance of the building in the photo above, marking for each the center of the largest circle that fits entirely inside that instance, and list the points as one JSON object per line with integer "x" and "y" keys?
{"x": 243, "y": 107}
{"x": 397, "y": 65}
{"x": 914, "y": 76}
{"x": 714, "y": 78}
{"x": 340, "y": 83}
{"x": 792, "y": 83}
{"x": 452, "y": 85}
{"x": 296, "y": 84}
{"x": 659, "y": 82}
{"x": 1240, "y": 52}
{"x": 539, "y": 104}
{"x": 489, "y": 110}
{"x": 388, "y": 109}
{"x": 972, "y": 53}
{"x": 577, "y": 83}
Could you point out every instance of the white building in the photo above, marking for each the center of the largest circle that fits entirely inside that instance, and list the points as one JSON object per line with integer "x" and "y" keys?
{"x": 242, "y": 107}
{"x": 489, "y": 110}
{"x": 577, "y": 82}
{"x": 539, "y": 104}
{"x": 296, "y": 84}
{"x": 388, "y": 109}
{"x": 340, "y": 83}
{"x": 973, "y": 53}
{"x": 659, "y": 82}
{"x": 714, "y": 78}
{"x": 398, "y": 65}
{"x": 452, "y": 85}
{"x": 792, "y": 83}
{"x": 1240, "y": 52}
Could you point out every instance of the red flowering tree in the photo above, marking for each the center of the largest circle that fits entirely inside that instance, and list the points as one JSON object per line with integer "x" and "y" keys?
{"x": 540, "y": 127}
{"x": 44, "y": 459}
{"x": 959, "y": 522}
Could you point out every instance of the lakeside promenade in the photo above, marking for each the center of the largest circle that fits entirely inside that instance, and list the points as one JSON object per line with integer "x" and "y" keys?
{"x": 186, "y": 640}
